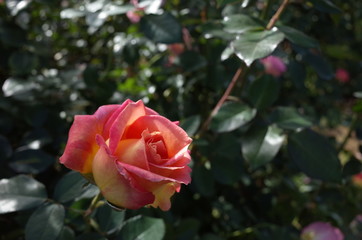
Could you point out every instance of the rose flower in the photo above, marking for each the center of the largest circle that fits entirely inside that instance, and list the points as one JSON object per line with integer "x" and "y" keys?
{"x": 321, "y": 231}
{"x": 135, "y": 156}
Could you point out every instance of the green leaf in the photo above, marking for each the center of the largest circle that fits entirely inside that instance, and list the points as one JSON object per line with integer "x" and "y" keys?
{"x": 316, "y": 61}
{"x": 31, "y": 161}
{"x": 5, "y": 148}
{"x": 255, "y": 45}
{"x": 297, "y": 74}
{"x": 232, "y": 116}
{"x": 261, "y": 144}
{"x": 326, "y": 6}
{"x": 12, "y": 35}
{"x": 162, "y": 28}
{"x": 22, "y": 63}
{"x": 66, "y": 234}
{"x": 240, "y": 23}
{"x": 224, "y": 2}
{"x": 225, "y": 159}
{"x": 70, "y": 13}
{"x": 313, "y": 154}
{"x": 71, "y": 186}
{"x": 215, "y": 29}
{"x": 191, "y": 124}
{"x": 145, "y": 228}
{"x": 91, "y": 236}
{"x": 19, "y": 89}
{"x": 289, "y": 118}
{"x": 299, "y": 38}
{"x": 191, "y": 61}
{"x": 19, "y": 193}
{"x": 108, "y": 219}
{"x": 46, "y": 223}
{"x": 264, "y": 91}
{"x": 203, "y": 180}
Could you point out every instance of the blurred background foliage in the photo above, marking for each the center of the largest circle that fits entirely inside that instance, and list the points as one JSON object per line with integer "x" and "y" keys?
{"x": 284, "y": 150}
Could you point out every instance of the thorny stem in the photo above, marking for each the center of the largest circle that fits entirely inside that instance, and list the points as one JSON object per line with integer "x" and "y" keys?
{"x": 238, "y": 74}
{"x": 235, "y": 78}
{"x": 277, "y": 14}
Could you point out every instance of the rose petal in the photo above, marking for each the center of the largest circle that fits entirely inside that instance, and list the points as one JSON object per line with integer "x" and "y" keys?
{"x": 175, "y": 138}
{"x": 133, "y": 152}
{"x": 114, "y": 186}
{"x": 181, "y": 158}
{"x": 108, "y": 124}
{"x": 131, "y": 113}
{"x": 81, "y": 146}
{"x": 179, "y": 175}
{"x": 163, "y": 195}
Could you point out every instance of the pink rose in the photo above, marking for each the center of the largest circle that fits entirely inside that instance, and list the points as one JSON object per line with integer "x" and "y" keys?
{"x": 274, "y": 66}
{"x": 342, "y": 75}
{"x": 357, "y": 180}
{"x": 321, "y": 231}
{"x": 135, "y": 156}
{"x": 134, "y": 15}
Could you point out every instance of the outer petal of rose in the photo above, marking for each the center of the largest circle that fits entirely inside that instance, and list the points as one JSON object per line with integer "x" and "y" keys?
{"x": 108, "y": 124}
{"x": 178, "y": 175}
{"x": 163, "y": 194}
{"x": 115, "y": 187}
{"x": 175, "y": 138}
{"x": 81, "y": 146}
{"x": 131, "y": 113}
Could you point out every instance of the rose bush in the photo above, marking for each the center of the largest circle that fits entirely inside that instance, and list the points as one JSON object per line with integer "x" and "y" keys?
{"x": 135, "y": 156}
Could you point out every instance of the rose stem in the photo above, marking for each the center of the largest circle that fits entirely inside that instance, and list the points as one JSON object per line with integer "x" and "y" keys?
{"x": 238, "y": 73}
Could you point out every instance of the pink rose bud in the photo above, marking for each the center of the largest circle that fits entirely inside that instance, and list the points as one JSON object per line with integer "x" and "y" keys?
{"x": 274, "y": 66}
{"x": 134, "y": 16}
{"x": 342, "y": 75}
{"x": 357, "y": 180}
{"x": 321, "y": 231}
{"x": 135, "y": 156}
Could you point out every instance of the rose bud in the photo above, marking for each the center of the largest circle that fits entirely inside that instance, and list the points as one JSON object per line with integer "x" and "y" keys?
{"x": 135, "y": 156}
{"x": 321, "y": 231}
{"x": 274, "y": 66}
{"x": 342, "y": 75}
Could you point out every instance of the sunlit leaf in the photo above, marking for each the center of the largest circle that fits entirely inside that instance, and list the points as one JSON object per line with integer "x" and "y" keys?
{"x": 19, "y": 193}
{"x": 289, "y": 118}
{"x": 261, "y": 144}
{"x": 240, "y": 23}
{"x": 255, "y": 45}
{"x": 232, "y": 116}
{"x": 162, "y": 28}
